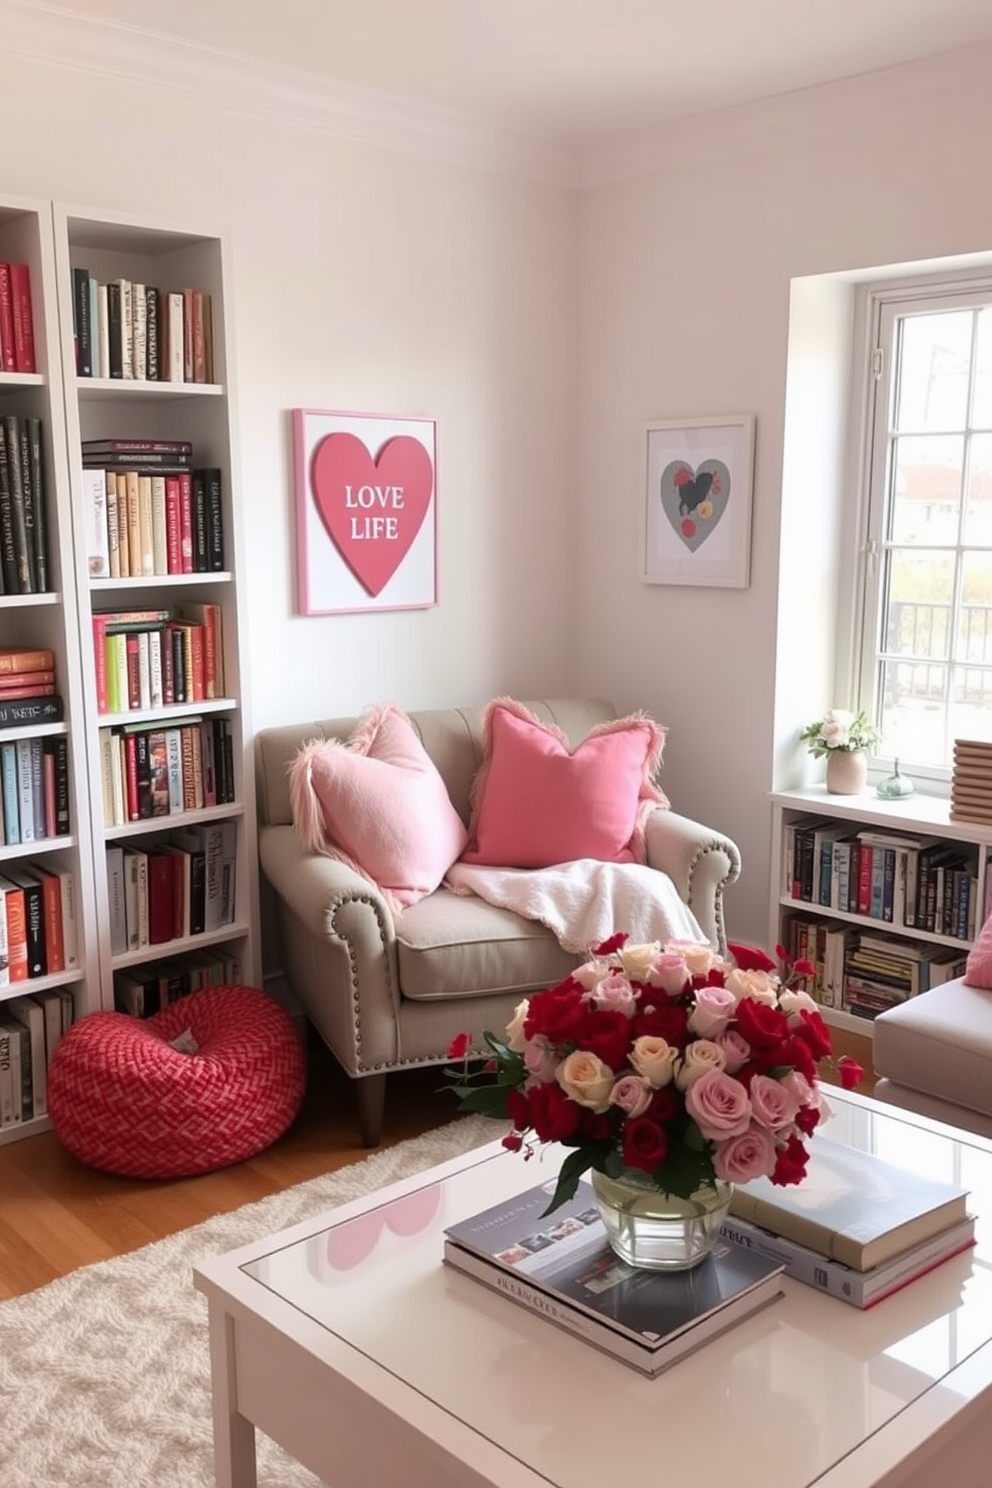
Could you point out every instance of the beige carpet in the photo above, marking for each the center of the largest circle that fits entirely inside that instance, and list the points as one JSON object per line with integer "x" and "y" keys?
{"x": 105, "y": 1374}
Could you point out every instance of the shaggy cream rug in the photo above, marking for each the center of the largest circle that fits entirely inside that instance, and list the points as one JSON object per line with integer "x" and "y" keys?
{"x": 105, "y": 1374}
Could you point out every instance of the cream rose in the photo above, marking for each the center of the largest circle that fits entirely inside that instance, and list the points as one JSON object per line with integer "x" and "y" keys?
{"x": 698, "y": 958}
{"x": 699, "y": 1057}
{"x": 796, "y": 1001}
{"x": 637, "y": 960}
{"x": 759, "y": 985}
{"x": 591, "y": 973}
{"x": 655, "y": 1059}
{"x": 586, "y": 1080}
{"x": 515, "y": 1037}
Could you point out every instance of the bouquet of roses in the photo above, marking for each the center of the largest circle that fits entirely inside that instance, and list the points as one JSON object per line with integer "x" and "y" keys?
{"x": 666, "y": 1059}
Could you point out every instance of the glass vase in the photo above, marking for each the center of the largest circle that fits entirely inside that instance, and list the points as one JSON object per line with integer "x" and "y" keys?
{"x": 659, "y": 1231}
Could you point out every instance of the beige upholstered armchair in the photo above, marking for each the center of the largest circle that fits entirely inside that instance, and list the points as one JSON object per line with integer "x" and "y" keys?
{"x": 389, "y": 992}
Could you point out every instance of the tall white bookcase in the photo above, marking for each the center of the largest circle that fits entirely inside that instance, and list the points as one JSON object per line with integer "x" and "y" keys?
{"x": 54, "y": 239}
{"x": 50, "y": 620}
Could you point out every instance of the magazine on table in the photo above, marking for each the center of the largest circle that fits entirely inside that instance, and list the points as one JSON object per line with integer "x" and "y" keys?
{"x": 561, "y": 1266}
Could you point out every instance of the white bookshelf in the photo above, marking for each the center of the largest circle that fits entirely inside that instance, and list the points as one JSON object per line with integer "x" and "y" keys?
{"x": 916, "y": 816}
{"x": 51, "y": 619}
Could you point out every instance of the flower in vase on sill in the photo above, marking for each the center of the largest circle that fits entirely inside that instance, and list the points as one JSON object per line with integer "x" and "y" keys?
{"x": 668, "y": 1060}
{"x": 840, "y": 729}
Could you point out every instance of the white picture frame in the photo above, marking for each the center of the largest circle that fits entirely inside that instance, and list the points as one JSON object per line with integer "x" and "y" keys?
{"x": 696, "y": 526}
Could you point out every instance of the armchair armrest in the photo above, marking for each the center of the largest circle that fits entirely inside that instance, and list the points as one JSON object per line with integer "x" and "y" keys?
{"x": 700, "y": 862}
{"x": 315, "y": 887}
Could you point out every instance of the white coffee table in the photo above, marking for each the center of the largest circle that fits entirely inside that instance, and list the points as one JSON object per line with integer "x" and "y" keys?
{"x": 347, "y": 1341}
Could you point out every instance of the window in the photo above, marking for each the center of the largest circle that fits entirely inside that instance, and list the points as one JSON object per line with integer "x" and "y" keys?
{"x": 926, "y": 616}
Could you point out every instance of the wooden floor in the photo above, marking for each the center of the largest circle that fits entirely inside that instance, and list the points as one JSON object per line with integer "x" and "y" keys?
{"x": 56, "y": 1214}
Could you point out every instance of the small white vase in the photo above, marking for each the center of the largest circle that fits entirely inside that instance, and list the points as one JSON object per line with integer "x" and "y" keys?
{"x": 847, "y": 771}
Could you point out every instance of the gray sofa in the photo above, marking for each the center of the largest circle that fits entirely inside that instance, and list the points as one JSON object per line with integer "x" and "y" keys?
{"x": 389, "y": 992}
{"x": 933, "y": 1055}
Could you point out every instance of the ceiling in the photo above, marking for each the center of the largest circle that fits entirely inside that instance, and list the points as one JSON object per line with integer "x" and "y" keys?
{"x": 576, "y": 71}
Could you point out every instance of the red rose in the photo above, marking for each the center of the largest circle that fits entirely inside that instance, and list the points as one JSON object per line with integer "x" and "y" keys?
{"x": 795, "y": 1051}
{"x": 645, "y": 1144}
{"x": 554, "y": 1116}
{"x": 750, "y": 958}
{"x": 807, "y": 1120}
{"x": 459, "y": 1046}
{"x": 513, "y": 1141}
{"x": 613, "y": 944}
{"x": 607, "y": 1034}
{"x": 664, "y": 1106}
{"x": 661, "y": 1019}
{"x": 790, "y": 1164}
{"x": 518, "y": 1110}
{"x": 814, "y": 1032}
{"x": 559, "y": 1015}
{"x": 596, "y": 1125}
{"x": 850, "y": 1072}
{"x": 761, "y": 1025}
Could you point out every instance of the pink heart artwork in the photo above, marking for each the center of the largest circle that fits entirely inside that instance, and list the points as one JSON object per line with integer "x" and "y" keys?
{"x": 372, "y": 508}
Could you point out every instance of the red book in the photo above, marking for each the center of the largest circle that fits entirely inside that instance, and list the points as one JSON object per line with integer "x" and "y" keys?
{"x": 161, "y": 897}
{"x": 100, "y": 662}
{"x": 20, "y": 293}
{"x": 11, "y": 694}
{"x": 8, "y": 361}
{"x": 22, "y": 679}
{"x": 864, "y": 880}
{"x": 17, "y": 933}
{"x": 173, "y": 524}
{"x": 48, "y": 778}
{"x": 133, "y": 670}
{"x": 131, "y": 778}
{"x": 51, "y": 900}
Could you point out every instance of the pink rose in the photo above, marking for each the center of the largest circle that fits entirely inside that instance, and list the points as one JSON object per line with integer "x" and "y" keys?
{"x": 736, "y": 1049}
{"x": 539, "y": 1060}
{"x": 631, "y": 1095}
{"x": 614, "y": 994}
{"x": 750, "y": 1155}
{"x": 669, "y": 972}
{"x": 773, "y": 1104}
{"x": 719, "y": 1105}
{"x": 715, "y": 1006}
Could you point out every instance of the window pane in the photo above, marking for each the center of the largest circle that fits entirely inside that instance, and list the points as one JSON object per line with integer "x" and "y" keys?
{"x": 971, "y": 703}
{"x": 918, "y": 612}
{"x": 978, "y": 513}
{"x": 974, "y": 638}
{"x": 933, "y": 380}
{"x": 981, "y": 413}
{"x": 912, "y": 714}
{"x": 926, "y": 489}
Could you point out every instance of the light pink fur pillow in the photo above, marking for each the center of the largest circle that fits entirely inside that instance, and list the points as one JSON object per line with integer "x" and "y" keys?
{"x": 536, "y": 801}
{"x": 978, "y": 971}
{"x": 379, "y": 804}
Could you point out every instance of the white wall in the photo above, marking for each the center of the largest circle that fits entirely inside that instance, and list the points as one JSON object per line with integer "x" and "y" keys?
{"x": 686, "y": 269}
{"x": 363, "y": 279}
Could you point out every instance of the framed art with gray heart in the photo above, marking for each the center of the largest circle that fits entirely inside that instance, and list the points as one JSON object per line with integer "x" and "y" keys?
{"x": 697, "y": 506}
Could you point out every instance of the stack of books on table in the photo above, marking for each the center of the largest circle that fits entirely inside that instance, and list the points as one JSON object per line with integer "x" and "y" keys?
{"x": 971, "y": 781}
{"x": 561, "y": 1266}
{"x": 857, "y": 1228}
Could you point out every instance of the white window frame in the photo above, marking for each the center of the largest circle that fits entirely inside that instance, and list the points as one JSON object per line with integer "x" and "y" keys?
{"x": 882, "y": 306}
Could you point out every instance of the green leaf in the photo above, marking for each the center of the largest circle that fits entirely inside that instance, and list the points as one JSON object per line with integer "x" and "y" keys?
{"x": 577, "y": 1163}
{"x": 488, "y": 1100}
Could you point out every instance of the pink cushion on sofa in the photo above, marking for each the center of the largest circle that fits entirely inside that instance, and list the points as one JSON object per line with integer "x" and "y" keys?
{"x": 978, "y": 971}
{"x": 379, "y": 804}
{"x": 536, "y": 801}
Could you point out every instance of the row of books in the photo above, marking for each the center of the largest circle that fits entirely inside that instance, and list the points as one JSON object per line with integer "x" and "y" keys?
{"x": 863, "y": 972}
{"x": 16, "y": 319}
{"x": 164, "y": 770}
{"x": 858, "y": 1228}
{"x": 905, "y": 881}
{"x": 154, "y": 985}
{"x": 147, "y": 522}
{"x": 182, "y": 887}
{"x": 140, "y": 332}
{"x": 24, "y": 565}
{"x": 154, "y": 658}
{"x": 34, "y": 789}
{"x": 38, "y": 929}
{"x": 30, "y": 1029}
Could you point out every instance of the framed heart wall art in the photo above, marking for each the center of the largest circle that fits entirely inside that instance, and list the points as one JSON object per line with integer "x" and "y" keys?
{"x": 697, "y": 504}
{"x": 366, "y": 512}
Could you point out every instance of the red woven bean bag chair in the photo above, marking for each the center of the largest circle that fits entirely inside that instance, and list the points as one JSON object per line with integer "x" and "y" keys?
{"x": 122, "y": 1099}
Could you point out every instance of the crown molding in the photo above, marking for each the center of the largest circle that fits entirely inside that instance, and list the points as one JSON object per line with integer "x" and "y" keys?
{"x": 225, "y": 80}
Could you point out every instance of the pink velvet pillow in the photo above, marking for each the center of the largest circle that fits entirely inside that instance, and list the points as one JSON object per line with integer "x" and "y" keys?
{"x": 978, "y": 971}
{"x": 378, "y": 804}
{"x": 536, "y": 801}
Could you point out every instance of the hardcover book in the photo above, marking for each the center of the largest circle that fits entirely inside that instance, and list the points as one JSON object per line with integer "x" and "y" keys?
{"x": 862, "y": 1289}
{"x": 852, "y": 1206}
{"x": 562, "y": 1267}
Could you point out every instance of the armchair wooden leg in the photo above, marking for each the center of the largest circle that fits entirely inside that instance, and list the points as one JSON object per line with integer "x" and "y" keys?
{"x": 371, "y": 1092}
